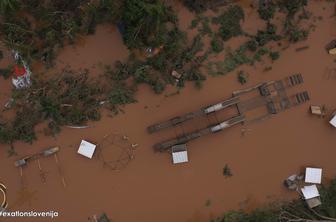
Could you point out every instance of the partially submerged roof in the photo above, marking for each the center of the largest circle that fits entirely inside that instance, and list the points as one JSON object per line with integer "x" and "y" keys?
{"x": 333, "y": 121}
{"x": 179, "y": 153}
{"x": 313, "y": 175}
{"x": 86, "y": 149}
{"x": 310, "y": 192}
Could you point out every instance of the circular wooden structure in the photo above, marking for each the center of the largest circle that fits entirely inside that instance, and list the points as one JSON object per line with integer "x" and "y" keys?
{"x": 4, "y": 203}
{"x": 115, "y": 151}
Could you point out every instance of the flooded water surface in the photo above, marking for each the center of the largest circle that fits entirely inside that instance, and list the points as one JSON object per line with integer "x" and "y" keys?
{"x": 150, "y": 188}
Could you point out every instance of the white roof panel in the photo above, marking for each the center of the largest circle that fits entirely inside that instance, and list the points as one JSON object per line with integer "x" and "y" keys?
{"x": 180, "y": 157}
{"x": 310, "y": 192}
{"x": 333, "y": 121}
{"x": 86, "y": 149}
{"x": 313, "y": 175}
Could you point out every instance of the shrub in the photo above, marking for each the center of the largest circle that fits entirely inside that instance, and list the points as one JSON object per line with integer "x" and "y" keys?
{"x": 296, "y": 34}
{"x": 266, "y": 9}
{"x": 216, "y": 45}
{"x": 252, "y": 45}
{"x": 120, "y": 95}
{"x": 197, "y": 6}
{"x": 263, "y": 37}
{"x": 145, "y": 22}
{"x": 229, "y": 22}
{"x": 274, "y": 55}
{"x": 242, "y": 77}
{"x": 292, "y": 6}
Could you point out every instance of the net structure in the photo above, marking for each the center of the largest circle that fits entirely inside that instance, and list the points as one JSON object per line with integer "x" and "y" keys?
{"x": 115, "y": 151}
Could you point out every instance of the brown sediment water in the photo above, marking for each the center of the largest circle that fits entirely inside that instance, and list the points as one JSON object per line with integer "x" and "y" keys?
{"x": 151, "y": 188}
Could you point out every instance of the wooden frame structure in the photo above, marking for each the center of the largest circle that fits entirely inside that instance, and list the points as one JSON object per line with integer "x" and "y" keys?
{"x": 271, "y": 94}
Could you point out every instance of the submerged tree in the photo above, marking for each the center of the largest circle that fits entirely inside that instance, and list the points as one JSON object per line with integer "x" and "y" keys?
{"x": 144, "y": 23}
{"x": 229, "y": 22}
{"x": 292, "y": 6}
{"x": 7, "y": 6}
{"x": 266, "y": 9}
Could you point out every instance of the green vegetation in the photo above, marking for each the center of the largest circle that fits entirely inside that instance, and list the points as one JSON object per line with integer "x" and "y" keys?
{"x": 229, "y": 22}
{"x": 292, "y": 6}
{"x": 38, "y": 28}
{"x": 236, "y": 58}
{"x": 203, "y": 24}
{"x": 242, "y": 77}
{"x": 289, "y": 211}
{"x": 8, "y": 6}
{"x": 67, "y": 99}
{"x": 156, "y": 71}
{"x": 274, "y": 55}
{"x": 196, "y": 5}
{"x": 265, "y": 36}
{"x": 216, "y": 44}
{"x": 292, "y": 28}
{"x": 267, "y": 9}
{"x": 120, "y": 95}
{"x": 6, "y": 72}
{"x": 205, "y": 27}
{"x": 145, "y": 23}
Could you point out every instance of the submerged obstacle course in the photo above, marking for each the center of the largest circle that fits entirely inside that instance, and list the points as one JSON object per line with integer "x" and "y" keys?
{"x": 44, "y": 153}
{"x": 271, "y": 94}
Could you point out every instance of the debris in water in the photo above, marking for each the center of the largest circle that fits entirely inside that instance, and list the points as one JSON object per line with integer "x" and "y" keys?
{"x": 318, "y": 110}
{"x": 78, "y": 127}
{"x": 227, "y": 171}
{"x": 302, "y": 48}
{"x": 331, "y": 47}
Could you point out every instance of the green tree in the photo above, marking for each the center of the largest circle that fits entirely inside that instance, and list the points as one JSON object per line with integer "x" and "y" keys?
{"x": 144, "y": 22}
{"x": 266, "y": 9}
{"x": 229, "y": 22}
{"x": 7, "y": 6}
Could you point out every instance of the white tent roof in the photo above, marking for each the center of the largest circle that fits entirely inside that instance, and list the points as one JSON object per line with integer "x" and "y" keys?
{"x": 313, "y": 175}
{"x": 310, "y": 192}
{"x": 180, "y": 157}
{"x": 86, "y": 149}
{"x": 333, "y": 121}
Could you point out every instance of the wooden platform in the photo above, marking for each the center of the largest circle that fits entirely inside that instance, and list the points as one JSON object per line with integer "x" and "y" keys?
{"x": 272, "y": 95}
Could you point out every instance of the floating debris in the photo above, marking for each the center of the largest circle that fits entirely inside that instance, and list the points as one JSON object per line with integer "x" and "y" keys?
{"x": 9, "y": 103}
{"x": 302, "y": 48}
{"x": 319, "y": 110}
{"x": 78, "y": 127}
{"x": 331, "y": 47}
{"x": 176, "y": 75}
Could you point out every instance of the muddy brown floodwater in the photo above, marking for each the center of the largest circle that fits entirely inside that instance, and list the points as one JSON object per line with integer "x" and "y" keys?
{"x": 150, "y": 188}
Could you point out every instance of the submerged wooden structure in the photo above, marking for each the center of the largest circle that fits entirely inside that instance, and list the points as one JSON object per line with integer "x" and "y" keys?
{"x": 43, "y": 153}
{"x": 272, "y": 95}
